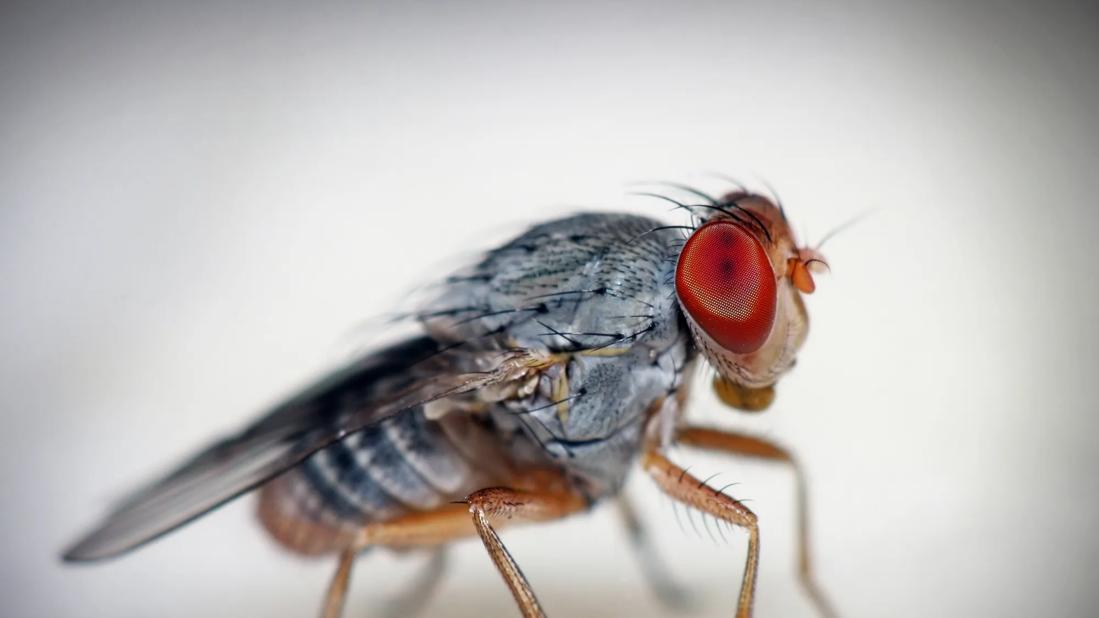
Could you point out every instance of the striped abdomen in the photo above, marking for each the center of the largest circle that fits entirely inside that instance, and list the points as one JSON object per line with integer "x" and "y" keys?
{"x": 405, "y": 463}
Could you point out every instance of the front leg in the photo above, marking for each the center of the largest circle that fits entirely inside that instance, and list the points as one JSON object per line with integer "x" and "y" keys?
{"x": 758, "y": 448}
{"x": 680, "y": 485}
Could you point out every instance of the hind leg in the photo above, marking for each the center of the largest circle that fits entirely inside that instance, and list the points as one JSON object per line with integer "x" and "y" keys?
{"x": 430, "y": 528}
{"x": 337, "y": 588}
{"x": 409, "y": 603}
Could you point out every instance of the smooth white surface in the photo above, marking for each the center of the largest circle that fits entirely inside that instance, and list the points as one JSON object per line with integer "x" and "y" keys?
{"x": 200, "y": 205}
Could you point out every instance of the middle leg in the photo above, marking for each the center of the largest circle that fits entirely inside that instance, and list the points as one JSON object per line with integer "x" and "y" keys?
{"x": 499, "y": 503}
{"x": 490, "y": 508}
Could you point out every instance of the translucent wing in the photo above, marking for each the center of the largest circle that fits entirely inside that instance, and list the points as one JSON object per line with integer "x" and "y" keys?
{"x": 379, "y": 385}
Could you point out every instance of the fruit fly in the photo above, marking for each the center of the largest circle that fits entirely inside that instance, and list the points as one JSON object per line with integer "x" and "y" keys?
{"x": 539, "y": 377}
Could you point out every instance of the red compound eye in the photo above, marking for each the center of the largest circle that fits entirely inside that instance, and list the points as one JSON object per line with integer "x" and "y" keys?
{"x": 725, "y": 282}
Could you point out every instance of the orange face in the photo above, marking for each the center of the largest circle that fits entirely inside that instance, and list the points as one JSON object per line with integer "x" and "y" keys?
{"x": 739, "y": 280}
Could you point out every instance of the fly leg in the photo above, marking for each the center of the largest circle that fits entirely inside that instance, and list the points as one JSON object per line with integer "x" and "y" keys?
{"x": 681, "y": 486}
{"x": 758, "y": 448}
{"x": 412, "y": 601}
{"x": 670, "y": 592}
{"x": 407, "y": 604}
{"x": 500, "y": 503}
{"x": 413, "y": 530}
{"x": 337, "y": 588}
{"x": 495, "y": 506}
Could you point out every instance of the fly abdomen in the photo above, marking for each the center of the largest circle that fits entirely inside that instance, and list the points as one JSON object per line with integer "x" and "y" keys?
{"x": 403, "y": 464}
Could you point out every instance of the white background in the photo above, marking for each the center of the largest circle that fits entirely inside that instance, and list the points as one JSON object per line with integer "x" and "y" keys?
{"x": 201, "y": 205}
